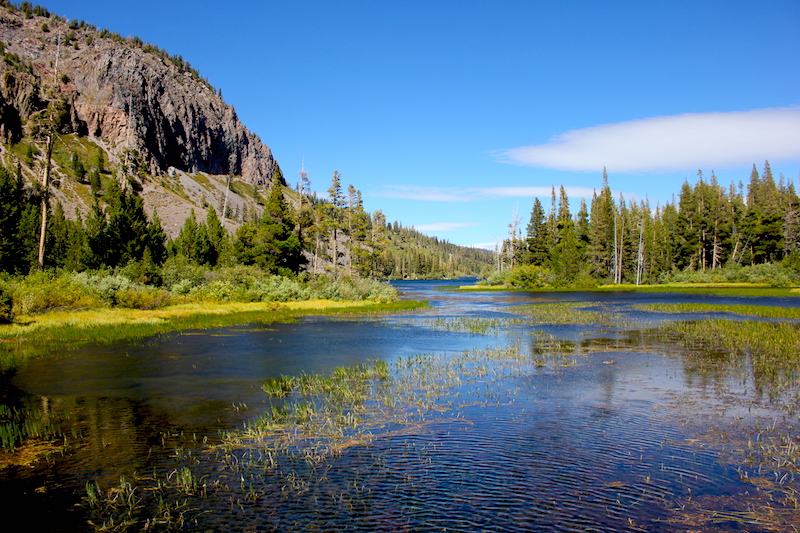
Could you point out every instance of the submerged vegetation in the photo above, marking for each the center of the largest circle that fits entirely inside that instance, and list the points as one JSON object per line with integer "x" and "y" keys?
{"x": 287, "y": 454}
{"x": 311, "y": 419}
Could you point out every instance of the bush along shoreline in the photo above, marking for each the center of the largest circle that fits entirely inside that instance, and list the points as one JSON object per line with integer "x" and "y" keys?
{"x": 41, "y": 292}
{"x": 47, "y": 310}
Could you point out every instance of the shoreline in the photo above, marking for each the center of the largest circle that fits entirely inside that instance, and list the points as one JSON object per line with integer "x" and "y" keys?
{"x": 723, "y": 289}
{"x": 34, "y": 334}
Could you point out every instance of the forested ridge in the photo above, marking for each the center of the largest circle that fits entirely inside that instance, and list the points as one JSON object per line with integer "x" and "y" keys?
{"x": 333, "y": 235}
{"x": 709, "y": 233}
{"x": 73, "y": 201}
{"x": 78, "y": 197}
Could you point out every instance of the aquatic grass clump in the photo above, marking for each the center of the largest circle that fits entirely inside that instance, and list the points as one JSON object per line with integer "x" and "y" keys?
{"x": 467, "y": 324}
{"x": 766, "y": 311}
{"x": 766, "y": 458}
{"x": 772, "y": 349}
{"x": 158, "y": 502}
{"x": 561, "y": 313}
{"x": 278, "y": 387}
{"x": 18, "y": 425}
{"x": 314, "y": 416}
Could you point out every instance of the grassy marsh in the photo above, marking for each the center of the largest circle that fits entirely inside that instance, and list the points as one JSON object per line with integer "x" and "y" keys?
{"x": 765, "y": 311}
{"x": 35, "y": 334}
{"x": 319, "y": 415}
{"x": 562, "y": 313}
{"x": 466, "y": 324}
{"x": 721, "y": 289}
{"x": 313, "y": 417}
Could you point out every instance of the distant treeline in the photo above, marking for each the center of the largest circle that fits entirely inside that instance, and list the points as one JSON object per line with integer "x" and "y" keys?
{"x": 321, "y": 236}
{"x": 617, "y": 241}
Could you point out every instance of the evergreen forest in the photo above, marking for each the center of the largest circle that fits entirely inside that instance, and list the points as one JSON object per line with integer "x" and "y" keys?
{"x": 710, "y": 233}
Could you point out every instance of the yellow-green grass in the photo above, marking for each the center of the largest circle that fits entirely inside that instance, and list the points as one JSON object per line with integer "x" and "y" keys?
{"x": 722, "y": 289}
{"x": 765, "y": 311}
{"x": 31, "y": 333}
{"x": 768, "y": 341}
{"x": 560, "y": 313}
{"x": 771, "y": 348}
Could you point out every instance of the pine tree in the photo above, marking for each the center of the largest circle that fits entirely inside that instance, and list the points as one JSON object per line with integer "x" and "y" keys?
{"x": 334, "y": 217}
{"x": 537, "y": 252}
{"x": 602, "y": 233}
{"x": 277, "y": 247}
{"x": 217, "y": 237}
{"x": 19, "y": 224}
{"x": 564, "y": 255}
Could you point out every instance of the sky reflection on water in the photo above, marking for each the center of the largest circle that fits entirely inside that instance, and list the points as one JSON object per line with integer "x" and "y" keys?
{"x": 595, "y": 444}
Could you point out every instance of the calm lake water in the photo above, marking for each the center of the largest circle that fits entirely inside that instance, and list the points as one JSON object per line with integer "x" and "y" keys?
{"x": 614, "y": 439}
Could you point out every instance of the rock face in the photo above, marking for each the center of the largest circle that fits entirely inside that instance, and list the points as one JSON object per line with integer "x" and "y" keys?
{"x": 129, "y": 97}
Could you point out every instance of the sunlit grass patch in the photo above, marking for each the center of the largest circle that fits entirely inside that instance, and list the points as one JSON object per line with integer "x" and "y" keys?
{"x": 722, "y": 289}
{"x": 467, "y": 324}
{"x": 766, "y": 311}
{"x": 36, "y": 334}
{"x": 561, "y": 313}
{"x": 347, "y": 307}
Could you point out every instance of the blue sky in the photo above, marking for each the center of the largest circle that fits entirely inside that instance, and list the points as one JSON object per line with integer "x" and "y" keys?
{"x": 449, "y": 116}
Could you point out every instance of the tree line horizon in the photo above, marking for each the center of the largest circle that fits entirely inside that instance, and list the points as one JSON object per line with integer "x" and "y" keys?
{"x": 332, "y": 235}
{"x": 611, "y": 240}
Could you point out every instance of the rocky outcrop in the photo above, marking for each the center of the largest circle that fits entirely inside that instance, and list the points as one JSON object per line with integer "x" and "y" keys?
{"x": 131, "y": 97}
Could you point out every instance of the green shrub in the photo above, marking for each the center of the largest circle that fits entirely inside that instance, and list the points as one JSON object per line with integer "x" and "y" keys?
{"x": 765, "y": 273}
{"x": 220, "y": 290}
{"x": 105, "y": 285}
{"x": 531, "y": 277}
{"x": 280, "y": 289}
{"x": 6, "y": 305}
{"x": 584, "y": 280}
{"x": 178, "y": 270}
{"x": 142, "y": 298}
{"x": 351, "y": 289}
{"x": 42, "y": 291}
{"x": 498, "y": 277}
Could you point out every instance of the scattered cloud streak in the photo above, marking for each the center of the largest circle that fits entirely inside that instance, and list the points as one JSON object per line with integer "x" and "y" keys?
{"x": 475, "y": 194}
{"x": 688, "y": 141}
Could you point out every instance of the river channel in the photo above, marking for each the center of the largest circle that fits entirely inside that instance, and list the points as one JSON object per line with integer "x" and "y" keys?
{"x": 589, "y": 426}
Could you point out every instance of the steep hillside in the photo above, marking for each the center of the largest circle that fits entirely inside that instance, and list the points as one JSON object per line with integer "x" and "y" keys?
{"x": 122, "y": 108}
{"x": 104, "y": 115}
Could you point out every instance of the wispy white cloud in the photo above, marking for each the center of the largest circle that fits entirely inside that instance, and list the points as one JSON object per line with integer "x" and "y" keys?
{"x": 444, "y": 226}
{"x": 454, "y": 194}
{"x": 688, "y": 141}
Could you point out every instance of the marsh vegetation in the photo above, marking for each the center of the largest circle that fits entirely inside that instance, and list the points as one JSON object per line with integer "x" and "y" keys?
{"x": 520, "y": 414}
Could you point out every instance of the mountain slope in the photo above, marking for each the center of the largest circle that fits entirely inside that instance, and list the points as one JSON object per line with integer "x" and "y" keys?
{"x": 146, "y": 113}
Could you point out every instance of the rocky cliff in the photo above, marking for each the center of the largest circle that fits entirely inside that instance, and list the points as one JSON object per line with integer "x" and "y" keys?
{"x": 128, "y": 97}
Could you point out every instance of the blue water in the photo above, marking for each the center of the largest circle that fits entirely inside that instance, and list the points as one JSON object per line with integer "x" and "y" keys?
{"x": 594, "y": 446}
